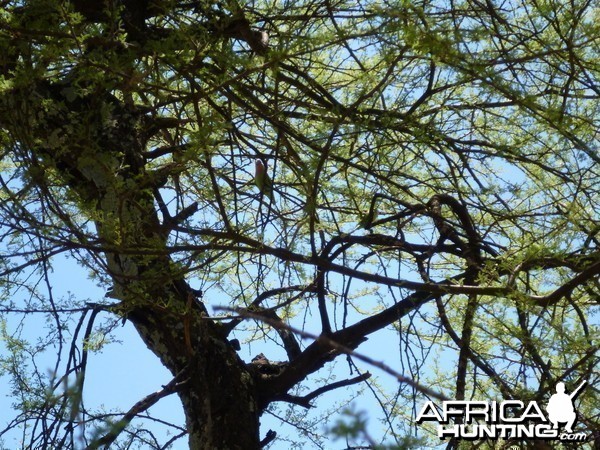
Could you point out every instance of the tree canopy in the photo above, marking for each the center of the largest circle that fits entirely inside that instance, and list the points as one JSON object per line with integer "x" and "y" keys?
{"x": 432, "y": 174}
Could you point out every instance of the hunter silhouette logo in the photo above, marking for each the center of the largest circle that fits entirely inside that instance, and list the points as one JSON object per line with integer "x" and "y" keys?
{"x": 508, "y": 419}
{"x": 560, "y": 406}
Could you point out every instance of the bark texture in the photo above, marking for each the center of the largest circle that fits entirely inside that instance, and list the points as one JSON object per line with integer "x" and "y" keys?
{"x": 94, "y": 144}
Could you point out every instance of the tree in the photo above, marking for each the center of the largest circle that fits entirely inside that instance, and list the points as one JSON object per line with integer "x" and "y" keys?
{"x": 460, "y": 136}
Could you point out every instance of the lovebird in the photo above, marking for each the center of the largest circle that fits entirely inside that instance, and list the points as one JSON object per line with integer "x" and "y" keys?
{"x": 262, "y": 179}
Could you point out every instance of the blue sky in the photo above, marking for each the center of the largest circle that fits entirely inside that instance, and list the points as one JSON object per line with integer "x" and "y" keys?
{"x": 124, "y": 370}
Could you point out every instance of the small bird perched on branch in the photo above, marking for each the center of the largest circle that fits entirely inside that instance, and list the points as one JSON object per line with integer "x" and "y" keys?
{"x": 262, "y": 179}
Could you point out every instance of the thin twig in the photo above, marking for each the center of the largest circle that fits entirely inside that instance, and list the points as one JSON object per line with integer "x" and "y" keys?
{"x": 145, "y": 403}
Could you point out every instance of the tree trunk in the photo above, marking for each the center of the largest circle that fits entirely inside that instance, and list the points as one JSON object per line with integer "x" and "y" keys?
{"x": 96, "y": 151}
{"x": 217, "y": 393}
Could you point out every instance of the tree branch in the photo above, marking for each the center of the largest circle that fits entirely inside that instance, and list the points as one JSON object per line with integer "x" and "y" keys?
{"x": 305, "y": 400}
{"x": 173, "y": 386}
{"x": 321, "y": 350}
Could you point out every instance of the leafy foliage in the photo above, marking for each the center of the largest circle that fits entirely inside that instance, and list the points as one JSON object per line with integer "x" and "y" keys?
{"x": 434, "y": 171}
